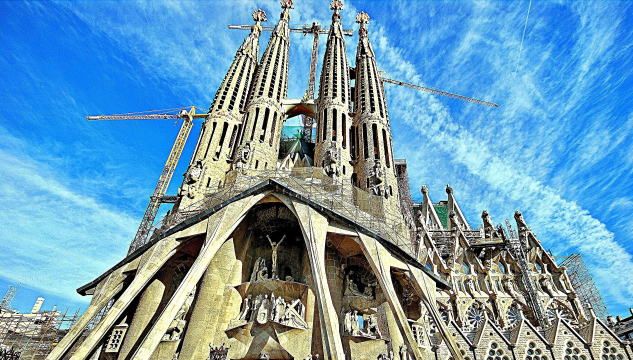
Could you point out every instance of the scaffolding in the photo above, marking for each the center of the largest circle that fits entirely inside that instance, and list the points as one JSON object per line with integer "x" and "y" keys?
{"x": 312, "y": 184}
{"x": 8, "y": 297}
{"x": 33, "y": 336}
{"x": 583, "y": 284}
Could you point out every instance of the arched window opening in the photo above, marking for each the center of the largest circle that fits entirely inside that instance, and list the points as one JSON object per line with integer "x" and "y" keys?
{"x": 384, "y": 142}
{"x": 334, "y": 123}
{"x": 255, "y": 123}
{"x": 343, "y": 129}
{"x": 374, "y": 132}
{"x": 262, "y": 137}
{"x": 365, "y": 148}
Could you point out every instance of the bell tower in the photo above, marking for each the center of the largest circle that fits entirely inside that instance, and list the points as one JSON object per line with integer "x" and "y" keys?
{"x": 372, "y": 141}
{"x": 259, "y": 143}
{"x": 212, "y": 155}
{"x": 332, "y": 149}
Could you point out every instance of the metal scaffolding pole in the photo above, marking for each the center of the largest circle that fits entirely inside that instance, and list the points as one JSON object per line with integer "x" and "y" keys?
{"x": 583, "y": 284}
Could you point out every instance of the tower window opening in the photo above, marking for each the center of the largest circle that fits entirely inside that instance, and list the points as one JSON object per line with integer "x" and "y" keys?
{"x": 221, "y": 143}
{"x": 238, "y": 139}
{"x": 236, "y": 87}
{"x": 352, "y": 145}
{"x": 208, "y": 182}
{"x": 365, "y": 148}
{"x": 384, "y": 142}
{"x": 334, "y": 74}
{"x": 262, "y": 78}
{"x": 343, "y": 169}
{"x": 233, "y": 135}
{"x": 206, "y": 152}
{"x": 246, "y": 86}
{"x": 379, "y": 90}
{"x": 357, "y": 138}
{"x": 390, "y": 190}
{"x": 367, "y": 180}
{"x": 262, "y": 137}
{"x": 255, "y": 123}
{"x": 354, "y": 180}
{"x": 374, "y": 133}
{"x": 324, "y": 135}
{"x": 274, "y": 129}
{"x": 372, "y": 105}
{"x": 280, "y": 87}
{"x": 256, "y": 164}
{"x": 334, "y": 124}
{"x": 343, "y": 130}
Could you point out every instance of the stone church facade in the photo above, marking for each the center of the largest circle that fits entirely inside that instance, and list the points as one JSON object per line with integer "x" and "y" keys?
{"x": 321, "y": 255}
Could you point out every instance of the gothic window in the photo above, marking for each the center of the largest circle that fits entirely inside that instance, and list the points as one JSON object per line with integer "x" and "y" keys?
{"x": 367, "y": 183}
{"x": 324, "y": 124}
{"x": 352, "y": 143}
{"x": 262, "y": 137}
{"x": 555, "y": 310}
{"x": 459, "y": 286}
{"x": 497, "y": 285}
{"x": 488, "y": 285}
{"x": 496, "y": 353}
{"x": 481, "y": 288}
{"x": 224, "y": 128}
{"x": 255, "y": 123}
{"x": 273, "y": 127}
{"x": 513, "y": 317}
{"x": 372, "y": 106}
{"x": 501, "y": 267}
{"x": 461, "y": 351}
{"x": 343, "y": 129}
{"x": 390, "y": 190}
{"x": 609, "y": 351}
{"x": 354, "y": 179}
{"x": 233, "y": 135}
{"x": 572, "y": 352}
{"x": 335, "y": 68}
{"x": 365, "y": 148}
{"x": 210, "y": 139}
{"x": 475, "y": 316}
{"x": 386, "y": 148}
{"x": 334, "y": 124}
{"x": 374, "y": 133}
{"x": 534, "y": 352}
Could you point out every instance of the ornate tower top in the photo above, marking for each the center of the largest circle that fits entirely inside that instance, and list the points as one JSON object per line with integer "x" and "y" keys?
{"x": 259, "y": 15}
{"x": 286, "y": 5}
{"x": 363, "y": 19}
{"x": 337, "y": 6}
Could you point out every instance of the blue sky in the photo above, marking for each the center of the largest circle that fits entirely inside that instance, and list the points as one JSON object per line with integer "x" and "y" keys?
{"x": 559, "y": 148}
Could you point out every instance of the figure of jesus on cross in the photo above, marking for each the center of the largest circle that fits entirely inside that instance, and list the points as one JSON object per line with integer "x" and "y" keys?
{"x": 275, "y": 246}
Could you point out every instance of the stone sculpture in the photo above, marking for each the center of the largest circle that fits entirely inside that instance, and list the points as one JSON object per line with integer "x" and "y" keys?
{"x": 178, "y": 324}
{"x": 275, "y": 246}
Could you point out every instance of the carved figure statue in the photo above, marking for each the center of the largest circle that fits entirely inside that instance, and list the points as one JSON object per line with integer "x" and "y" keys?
{"x": 260, "y": 271}
{"x": 332, "y": 159}
{"x": 470, "y": 287}
{"x": 347, "y": 323}
{"x": 194, "y": 173}
{"x": 350, "y": 286}
{"x": 178, "y": 324}
{"x": 262, "y": 311}
{"x": 371, "y": 326}
{"x": 246, "y": 308}
{"x": 293, "y": 315}
{"x": 489, "y": 227}
{"x": 403, "y": 352}
{"x": 545, "y": 283}
{"x": 510, "y": 287}
{"x": 275, "y": 246}
{"x": 279, "y": 307}
{"x": 355, "y": 324}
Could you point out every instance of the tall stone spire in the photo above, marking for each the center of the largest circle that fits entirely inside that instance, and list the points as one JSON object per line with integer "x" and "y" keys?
{"x": 333, "y": 123}
{"x": 259, "y": 144}
{"x": 372, "y": 141}
{"x": 211, "y": 158}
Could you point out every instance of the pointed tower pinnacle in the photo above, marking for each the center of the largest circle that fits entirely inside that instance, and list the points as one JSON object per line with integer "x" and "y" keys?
{"x": 371, "y": 140}
{"x": 259, "y": 139}
{"x": 333, "y": 122}
{"x": 213, "y": 152}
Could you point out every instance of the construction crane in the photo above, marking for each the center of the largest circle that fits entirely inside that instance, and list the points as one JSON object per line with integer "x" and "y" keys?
{"x": 435, "y": 91}
{"x": 158, "y": 197}
{"x": 305, "y": 29}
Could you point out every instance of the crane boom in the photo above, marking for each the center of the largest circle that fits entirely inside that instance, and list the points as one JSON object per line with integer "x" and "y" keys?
{"x": 438, "y": 92}
{"x": 158, "y": 197}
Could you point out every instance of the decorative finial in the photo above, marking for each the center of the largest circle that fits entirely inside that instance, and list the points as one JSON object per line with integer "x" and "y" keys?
{"x": 259, "y": 15}
{"x": 287, "y": 4}
{"x": 362, "y": 18}
{"x": 424, "y": 189}
{"x": 449, "y": 189}
{"x": 336, "y": 5}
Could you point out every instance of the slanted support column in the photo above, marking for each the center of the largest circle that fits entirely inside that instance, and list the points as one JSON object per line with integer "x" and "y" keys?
{"x": 157, "y": 257}
{"x": 378, "y": 258}
{"x": 227, "y": 219}
{"x": 425, "y": 288}
{"x": 314, "y": 227}
{"x": 105, "y": 292}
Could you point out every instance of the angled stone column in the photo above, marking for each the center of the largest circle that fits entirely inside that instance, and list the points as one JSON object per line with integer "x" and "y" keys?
{"x": 227, "y": 219}
{"x": 425, "y": 289}
{"x": 106, "y": 291}
{"x": 314, "y": 227}
{"x": 378, "y": 258}
{"x": 156, "y": 256}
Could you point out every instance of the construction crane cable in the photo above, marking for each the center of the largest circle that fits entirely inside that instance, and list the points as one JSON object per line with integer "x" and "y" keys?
{"x": 523, "y": 37}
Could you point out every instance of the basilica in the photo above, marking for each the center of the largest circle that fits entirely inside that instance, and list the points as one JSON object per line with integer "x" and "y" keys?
{"x": 317, "y": 251}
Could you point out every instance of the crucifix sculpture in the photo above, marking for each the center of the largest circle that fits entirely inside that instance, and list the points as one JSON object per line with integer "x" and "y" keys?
{"x": 275, "y": 246}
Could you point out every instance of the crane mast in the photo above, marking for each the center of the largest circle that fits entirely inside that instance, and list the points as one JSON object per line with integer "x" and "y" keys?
{"x": 158, "y": 196}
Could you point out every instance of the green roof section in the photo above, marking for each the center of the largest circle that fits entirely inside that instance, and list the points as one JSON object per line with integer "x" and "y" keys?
{"x": 442, "y": 212}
